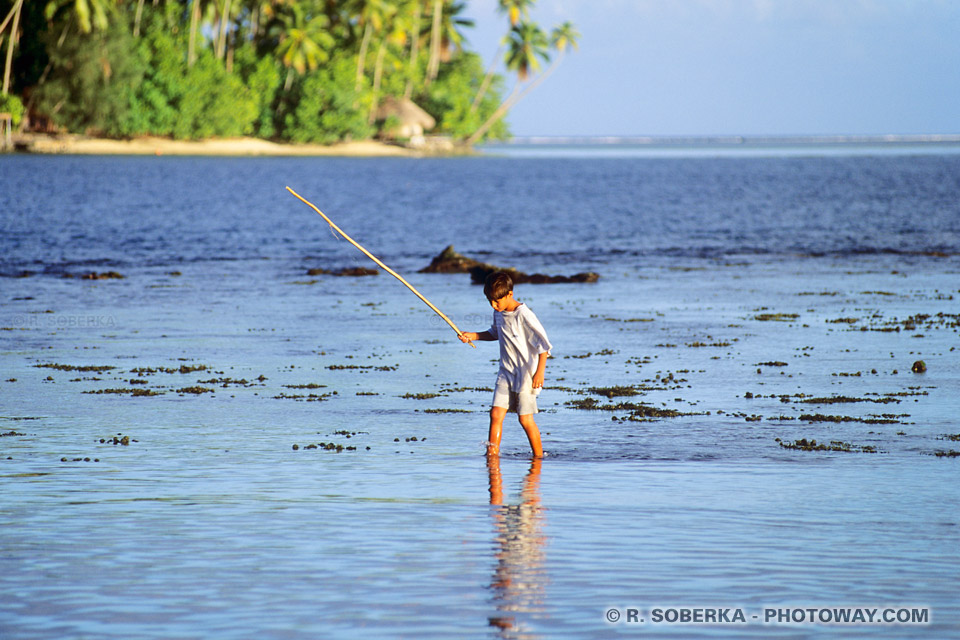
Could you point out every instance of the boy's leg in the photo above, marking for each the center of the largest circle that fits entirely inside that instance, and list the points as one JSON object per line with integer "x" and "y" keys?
{"x": 497, "y": 415}
{"x": 533, "y": 434}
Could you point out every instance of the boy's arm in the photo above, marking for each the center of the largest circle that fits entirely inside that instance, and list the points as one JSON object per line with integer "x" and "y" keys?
{"x": 483, "y": 336}
{"x": 541, "y": 369}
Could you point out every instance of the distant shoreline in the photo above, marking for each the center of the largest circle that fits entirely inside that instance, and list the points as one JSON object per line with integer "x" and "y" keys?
{"x": 72, "y": 144}
{"x": 75, "y": 144}
{"x": 731, "y": 140}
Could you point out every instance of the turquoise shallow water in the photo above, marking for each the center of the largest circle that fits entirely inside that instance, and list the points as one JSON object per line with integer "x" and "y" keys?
{"x": 758, "y": 297}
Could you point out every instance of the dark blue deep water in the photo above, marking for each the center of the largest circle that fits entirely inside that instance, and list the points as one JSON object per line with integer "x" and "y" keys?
{"x": 730, "y": 415}
{"x": 125, "y": 212}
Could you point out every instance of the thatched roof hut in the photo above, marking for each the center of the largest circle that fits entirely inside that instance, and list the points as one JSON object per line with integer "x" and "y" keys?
{"x": 412, "y": 121}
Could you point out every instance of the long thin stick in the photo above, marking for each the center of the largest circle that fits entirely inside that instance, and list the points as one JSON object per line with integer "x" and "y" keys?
{"x": 379, "y": 263}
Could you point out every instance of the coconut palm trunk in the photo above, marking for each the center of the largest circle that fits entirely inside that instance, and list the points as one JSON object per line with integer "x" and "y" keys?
{"x": 194, "y": 21}
{"x": 501, "y": 111}
{"x": 222, "y": 38}
{"x": 377, "y": 76}
{"x": 11, "y": 41}
{"x": 433, "y": 66}
{"x": 539, "y": 79}
{"x": 414, "y": 49}
{"x": 136, "y": 19}
{"x": 364, "y": 45}
{"x": 525, "y": 47}
{"x": 486, "y": 81}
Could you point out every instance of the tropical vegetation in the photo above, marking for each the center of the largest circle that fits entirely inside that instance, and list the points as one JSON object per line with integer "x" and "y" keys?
{"x": 289, "y": 70}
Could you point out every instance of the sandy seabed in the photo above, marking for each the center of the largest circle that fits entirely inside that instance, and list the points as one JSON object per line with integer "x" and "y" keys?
{"x": 149, "y": 145}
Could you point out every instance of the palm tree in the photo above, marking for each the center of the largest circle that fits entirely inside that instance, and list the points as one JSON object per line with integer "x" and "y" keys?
{"x": 371, "y": 14}
{"x": 433, "y": 66}
{"x": 136, "y": 18}
{"x": 11, "y": 41}
{"x": 416, "y": 10}
{"x": 394, "y": 33}
{"x": 194, "y": 24}
{"x": 527, "y": 45}
{"x": 261, "y": 14}
{"x": 445, "y": 34}
{"x": 221, "y": 41}
{"x": 303, "y": 42}
{"x": 562, "y": 38}
{"x": 90, "y": 14}
{"x": 452, "y": 25}
{"x": 515, "y": 10}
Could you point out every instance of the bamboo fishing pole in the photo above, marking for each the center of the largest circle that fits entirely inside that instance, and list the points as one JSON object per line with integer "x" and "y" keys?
{"x": 379, "y": 263}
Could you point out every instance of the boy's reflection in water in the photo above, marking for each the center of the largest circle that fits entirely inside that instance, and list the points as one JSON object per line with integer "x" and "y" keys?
{"x": 519, "y": 578}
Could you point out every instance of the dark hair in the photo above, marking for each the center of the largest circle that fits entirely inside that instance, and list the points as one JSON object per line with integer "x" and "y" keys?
{"x": 497, "y": 285}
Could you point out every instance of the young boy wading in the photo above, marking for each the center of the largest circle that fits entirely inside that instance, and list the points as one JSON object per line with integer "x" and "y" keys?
{"x": 524, "y": 348}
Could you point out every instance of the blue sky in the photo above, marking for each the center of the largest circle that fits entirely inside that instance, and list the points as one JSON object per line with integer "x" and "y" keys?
{"x": 742, "y": 67}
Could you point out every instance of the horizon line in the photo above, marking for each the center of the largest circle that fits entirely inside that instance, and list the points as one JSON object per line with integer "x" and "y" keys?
{"x": 759, "y": 139}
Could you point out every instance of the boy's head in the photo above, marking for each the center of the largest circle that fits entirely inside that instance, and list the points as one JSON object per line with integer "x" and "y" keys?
{"x": 497, "y": 285}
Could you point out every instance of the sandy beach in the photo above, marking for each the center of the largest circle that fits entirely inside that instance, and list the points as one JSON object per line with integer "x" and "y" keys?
{"x": 73, "y": 144}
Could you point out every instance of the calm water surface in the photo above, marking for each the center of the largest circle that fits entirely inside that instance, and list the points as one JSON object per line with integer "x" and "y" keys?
{"x": 752, "y": 301}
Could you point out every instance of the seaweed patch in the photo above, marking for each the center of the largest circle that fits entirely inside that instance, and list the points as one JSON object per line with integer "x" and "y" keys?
{"x": 134, "y": 392}
{"x": 70, "y": 367}
{"x": 776, "y": 317}
{"x": 822, "y": 418}
{"x": 835, "y": 445}
{"x": 847, "y": 399}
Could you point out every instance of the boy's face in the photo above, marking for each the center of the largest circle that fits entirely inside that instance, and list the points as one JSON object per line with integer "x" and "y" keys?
{"x": 502, "y": 304}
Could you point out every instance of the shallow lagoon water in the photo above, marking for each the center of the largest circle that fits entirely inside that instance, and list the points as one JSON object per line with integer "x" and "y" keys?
{"x": 732, "y": 290}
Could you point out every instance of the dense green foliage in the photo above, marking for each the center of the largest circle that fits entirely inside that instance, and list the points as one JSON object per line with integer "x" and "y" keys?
{"x": 294, "y": 70}
{"x": 11, "y": 104}
{"x": 93, "y": 83}
{"x": 328, "y": 107}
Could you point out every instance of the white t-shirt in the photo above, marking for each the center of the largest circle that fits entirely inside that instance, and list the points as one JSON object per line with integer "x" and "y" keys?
{"x": 522, "y": 339}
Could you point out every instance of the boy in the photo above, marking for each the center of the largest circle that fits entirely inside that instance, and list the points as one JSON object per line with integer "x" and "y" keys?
{"x": 524, "y": 348}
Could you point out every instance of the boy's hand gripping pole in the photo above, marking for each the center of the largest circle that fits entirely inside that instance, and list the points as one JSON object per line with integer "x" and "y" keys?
{"x": 380, "y": 264}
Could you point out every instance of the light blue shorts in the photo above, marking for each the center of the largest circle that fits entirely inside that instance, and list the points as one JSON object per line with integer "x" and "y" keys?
{"x": 522, "y": 403}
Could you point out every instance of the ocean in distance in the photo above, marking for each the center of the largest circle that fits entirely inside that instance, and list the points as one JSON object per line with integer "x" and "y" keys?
{"x": 748, "y": 305}
{"x": 725, "y": 146}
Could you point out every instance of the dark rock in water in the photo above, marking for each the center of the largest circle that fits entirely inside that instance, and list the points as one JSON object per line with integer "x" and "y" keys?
{"x": 449, "y": 261}
{"x": 479, "y": 275}
{"x": 919, "y": 366}
{"x": 355, "y": 271}
{"x": 106, "y": 275}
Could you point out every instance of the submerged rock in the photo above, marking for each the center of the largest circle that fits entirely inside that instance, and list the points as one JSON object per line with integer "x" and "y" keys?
{"x": 357, "y": 271}
{"x": 354, "y": 271}
{"x": 479, "y": 275}
{"x": 449, "y": 261}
